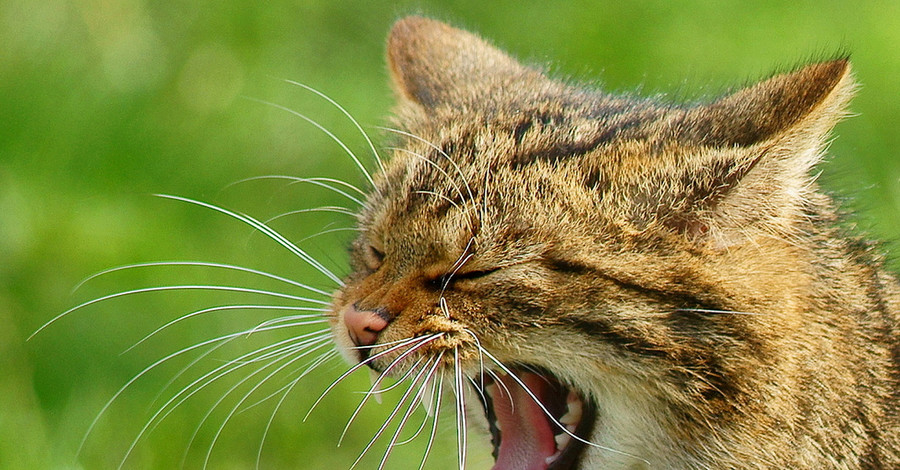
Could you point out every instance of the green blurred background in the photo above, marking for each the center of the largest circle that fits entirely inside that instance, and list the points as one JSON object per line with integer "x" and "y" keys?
{"x": 105, "y": 102}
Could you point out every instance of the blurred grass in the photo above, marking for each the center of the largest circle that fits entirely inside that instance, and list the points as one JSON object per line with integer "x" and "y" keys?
{"x": 103, "y": 103}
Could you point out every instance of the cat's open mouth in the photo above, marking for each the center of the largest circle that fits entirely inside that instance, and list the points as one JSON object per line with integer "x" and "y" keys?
{"x": 533, "y": 429}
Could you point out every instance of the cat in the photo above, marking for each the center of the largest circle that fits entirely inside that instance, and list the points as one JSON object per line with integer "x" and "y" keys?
{"x": 600, "y": 281}
{"x": 617, "y": 282}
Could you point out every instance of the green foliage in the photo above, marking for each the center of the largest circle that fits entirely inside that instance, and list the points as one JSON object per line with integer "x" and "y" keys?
{"x": 104, "y": 103}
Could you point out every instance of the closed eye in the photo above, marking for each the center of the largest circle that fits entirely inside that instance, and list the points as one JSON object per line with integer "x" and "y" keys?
{"x": 374, "y": 258}
{"x": 447, "y": 280}
{"x": 472, "y": 275}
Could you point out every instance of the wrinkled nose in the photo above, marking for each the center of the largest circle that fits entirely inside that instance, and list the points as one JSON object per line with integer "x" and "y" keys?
{"x": 364, "y": 325}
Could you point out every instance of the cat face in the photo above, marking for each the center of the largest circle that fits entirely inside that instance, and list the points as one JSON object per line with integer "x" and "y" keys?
{"x": 582, "y": 269}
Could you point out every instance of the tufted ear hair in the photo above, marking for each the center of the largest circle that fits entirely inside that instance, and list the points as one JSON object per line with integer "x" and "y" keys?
{"x": 432, "y": 63}
{"x": 746, "y": 158}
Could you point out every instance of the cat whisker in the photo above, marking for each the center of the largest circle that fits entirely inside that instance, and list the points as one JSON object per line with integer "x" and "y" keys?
{"x": 216, "y": 404}
{"x": 438, "y": 195}
{"x": 399, "y": 381}
{"x": 465, "y": 180}
{"x": 233, "y": 307}
{"x": 334, "y": 209}
{"x": 434, "y": 421}
{"x": 268, "y": 231}
{"x": 440, "y": 152}
{"x": 707, "y": 310}
{"x": 381, "y": 377}
{"x": 462, "y": 444}
{"x": 252, "y": 390}
{"x": 281, "y": 348}
{"x": 325, "y": 232}
{"x": 434, "y": 165}
{"x": 389, "y": 419}
{"x": 427, "y": 400}
{"x": 413, "y": 404}
{"x": 220, "y": 339}
{"x": 324, "y": 357}
{"x": 306, "y": 369}
{"x": 364, "y": 363}
{"x": 460, "y": 262}
{"x": 442, "y": 303}
{"x": 228, "y": 338}
{"x": 504, "y": 389}
{"x": 391, "y": 343}
{"x": 205, "y": 264}
{"x": 186, "y": 287}
{"x": 289, "y": 321}
{"x": 479, "y": 348}
{"x": 330, "y": 134}
{"x": 309, "y": 342}
{"x": 327, "y": 183}
{"x": 349, "y": 116}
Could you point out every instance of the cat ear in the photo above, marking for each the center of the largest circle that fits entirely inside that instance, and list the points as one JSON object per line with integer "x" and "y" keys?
{"x": 432, "y": 63}
{"x": 773, "y": 106}
{"x": 753, "y": 153}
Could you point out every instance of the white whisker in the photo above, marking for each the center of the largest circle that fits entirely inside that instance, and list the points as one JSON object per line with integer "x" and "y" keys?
{"x": 387, "y": 421}
{"x": 435, "y": 166}
{"x": 420, "y": 398}
{"x": 333, "y": 209}
{"x": 210, "y": 377}
{"x": 268, "y": 231}
{"x": 481, "y": 368}
{"x": 461, "y": 261}
{"x": 203, "y": 264}
{"x": 409, "y": 409}
{"x": 327, "y": 334}
{"x": 287, "y": 390}
{"x": 434, "y": 421}
{"x": 253, "y": 389}
{"x": 438, "y": 195}
{"x": 462, "y": 444}
{"x": 325, "y": 232}
{"x": 398, "y": 381}
{"x": 364, "y": 363}
{"x": 412, "y": 349}
{"x": 322, "y": 128}
{"x": 441, "y": 152}
{"x": 328, "y": 183}
{"x": 349, "y": 116}
{"x": 225, "y": 308}
{"x": 311, "y": 341}
{"x": 706, "y": 310}
{"x": 177, "y": 288}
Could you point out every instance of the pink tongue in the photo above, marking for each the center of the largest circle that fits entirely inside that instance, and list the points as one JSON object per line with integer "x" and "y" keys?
{"x": 526, "y": 438}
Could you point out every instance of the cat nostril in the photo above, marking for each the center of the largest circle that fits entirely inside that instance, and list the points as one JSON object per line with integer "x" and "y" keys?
{"x": 364, "y": 325}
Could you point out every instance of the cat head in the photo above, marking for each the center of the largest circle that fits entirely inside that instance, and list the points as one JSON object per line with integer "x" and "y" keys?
{"x": 588, "y": 263}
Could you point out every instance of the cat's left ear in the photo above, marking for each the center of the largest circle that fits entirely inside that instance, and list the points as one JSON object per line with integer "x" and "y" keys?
{"x": 432, "y": 63}
{"x": 756, "y": 150}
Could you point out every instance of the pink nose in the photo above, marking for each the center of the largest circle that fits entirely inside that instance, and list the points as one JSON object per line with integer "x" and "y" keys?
{"x": 364, "y": 325}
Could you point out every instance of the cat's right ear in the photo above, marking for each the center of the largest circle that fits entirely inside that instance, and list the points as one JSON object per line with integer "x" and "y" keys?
{"x": 432, "y": 63}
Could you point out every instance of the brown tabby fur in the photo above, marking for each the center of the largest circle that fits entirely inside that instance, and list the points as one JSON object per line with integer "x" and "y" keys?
{"x": 676, "y": 264}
